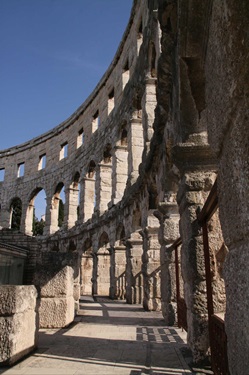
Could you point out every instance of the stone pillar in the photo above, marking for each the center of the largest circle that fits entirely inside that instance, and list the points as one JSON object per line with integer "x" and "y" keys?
{"x": 168, "y": 217}
{"x": 72, "y": 197}
{"x": 52, "y": 212}
{"x": 120, "y": 173}
{"x": 103, "y": 187}
{"x": 135, "y": 148}
{"x": 134, "y": 277}
{"x": 151, "y": 265}
{"x": 119, "y": 273}
{"x": 88, "y": 197}
{"x": 18, "y": 322}
{"x": 197, "y": 167}
{"x": 29, "y": 219}
{"x": 55, "y": 278}
{"x": 149, "y": 103}
{"x": 103, "y": 272}
{"x": 86, "y": 274}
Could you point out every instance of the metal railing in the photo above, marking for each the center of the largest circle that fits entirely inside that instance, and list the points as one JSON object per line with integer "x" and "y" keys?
{"x": 181, "y": 305}
{"x": 217, "y": 334}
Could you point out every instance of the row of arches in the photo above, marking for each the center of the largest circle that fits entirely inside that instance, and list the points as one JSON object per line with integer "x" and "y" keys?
{"x": 102, "y": 184}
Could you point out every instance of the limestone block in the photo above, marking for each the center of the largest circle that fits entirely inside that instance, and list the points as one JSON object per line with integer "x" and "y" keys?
{"x": 16, "y": 299}
{"x": 56, "y": 284}
{"x": 56, "y": 312}
{"x": 18, "y": 322}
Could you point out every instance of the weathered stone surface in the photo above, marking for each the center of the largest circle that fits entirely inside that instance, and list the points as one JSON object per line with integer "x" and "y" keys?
{"x": 56, "y": 284}
{"x": 18, "y": 322}
{"x": 56, "y": 312}
{"x": 175, "y": 87}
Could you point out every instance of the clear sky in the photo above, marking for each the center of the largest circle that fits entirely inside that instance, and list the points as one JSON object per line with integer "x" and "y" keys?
{"x": 52, "y": 55}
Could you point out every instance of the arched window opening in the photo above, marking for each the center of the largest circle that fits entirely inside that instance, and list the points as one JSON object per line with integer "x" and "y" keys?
{"x": 125, "y": 74}
{"x": 15, "y": 213}
{"x": 91, "y": 170}
{"x": 2, "y": 173}
{"x": 80, "y": 138}
{"x": 111, "y": 101}
{"x": 124, "y": 137}
{"x": 64, "y": 151}
{"x": 39, "y": 212}
{"x": 107, "y": 156}
{"x": 42, "y": 162}
{"x": 95, "y": 121}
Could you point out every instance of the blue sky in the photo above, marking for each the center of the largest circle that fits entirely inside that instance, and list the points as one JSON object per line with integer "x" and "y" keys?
{"x": 52, "y": 55}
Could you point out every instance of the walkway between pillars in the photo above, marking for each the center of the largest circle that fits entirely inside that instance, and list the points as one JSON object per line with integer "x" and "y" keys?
{"x": 108, "y": 337}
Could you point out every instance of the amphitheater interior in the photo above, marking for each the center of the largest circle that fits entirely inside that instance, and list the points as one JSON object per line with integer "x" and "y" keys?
{"x": 146, "y": 186}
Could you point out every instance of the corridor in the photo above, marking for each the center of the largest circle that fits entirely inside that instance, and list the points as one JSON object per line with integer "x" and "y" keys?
{"x": 108, "y": 337}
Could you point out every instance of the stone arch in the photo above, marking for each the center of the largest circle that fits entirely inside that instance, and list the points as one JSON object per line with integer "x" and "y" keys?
{"x": 103, "y": 265}
{"x": 15, "y": 213}
{"x": 86, "y": 269}
{"x": 30, "y": 220}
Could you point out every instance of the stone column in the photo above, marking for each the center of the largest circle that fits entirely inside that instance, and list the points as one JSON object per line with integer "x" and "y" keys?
{"x": 28, "y": 219}
{"x": 134, "y": 277}
{"x": 86, "y": 274}
{"x": 151, "y": 265}
{"x": 103, "y": 272}
{"x": 103, "y": 187}
{"x": 135, "y": 148}
{"x": 72, "y": 196}
{"x": 197, "y": 167}
{"x": 168, "y": 217}
{"x": 119, "y": 273}
{"x": 149, "y": 103}
{"x": 88, "y": 197}
{"x": 120, "y": 173}
{"x": 52, "y": 211}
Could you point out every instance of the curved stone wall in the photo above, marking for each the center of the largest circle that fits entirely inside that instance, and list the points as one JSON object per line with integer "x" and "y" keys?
{"x": 143, "y": 171}
{"x": 109, "y": 130}
{"x": 97, "y": 155}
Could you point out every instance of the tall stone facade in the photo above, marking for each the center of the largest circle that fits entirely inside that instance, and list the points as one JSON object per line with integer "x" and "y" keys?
{"x": 143, "y": 152}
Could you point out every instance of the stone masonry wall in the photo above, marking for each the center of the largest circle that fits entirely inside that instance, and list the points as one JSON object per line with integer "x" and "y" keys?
{"x": 18, "y": 322}
{"x": 145, "y": 169}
